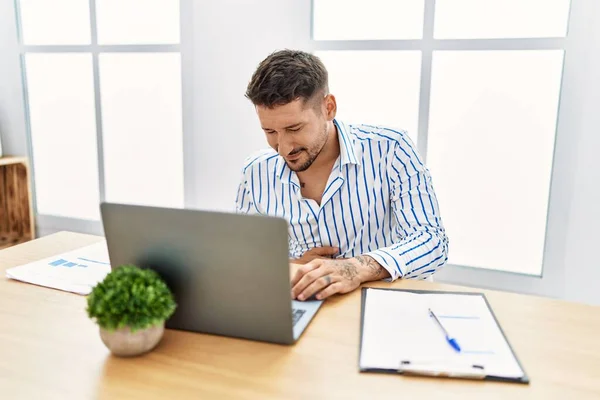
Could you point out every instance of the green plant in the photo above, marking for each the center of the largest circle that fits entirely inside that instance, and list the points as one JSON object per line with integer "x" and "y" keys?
{"x": 130, "y": 296}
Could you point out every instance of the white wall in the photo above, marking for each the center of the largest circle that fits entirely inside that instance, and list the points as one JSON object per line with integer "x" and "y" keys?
{"x": 12, "y": 118}
{"x": 582, "y": 264}
{"x": 230, "y": 38}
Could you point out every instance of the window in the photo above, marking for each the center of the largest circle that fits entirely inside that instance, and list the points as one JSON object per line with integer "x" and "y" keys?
{"x": 138, "y": 21}
{"x": 490, "y": 146}
{"x": 103, "y": 89}
{"x": 399, "y": 73}
{"x": 63, "y": 131}
{"x": 476, "y": 19}
{"x": 363, "y": 20}
{"x": 45, "y": 22}
{"x": 141, "y": 105}
{"x": 477, "y": 84}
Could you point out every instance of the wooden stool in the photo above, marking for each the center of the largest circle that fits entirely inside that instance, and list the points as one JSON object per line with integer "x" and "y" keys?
{"x": 16, "y": 211}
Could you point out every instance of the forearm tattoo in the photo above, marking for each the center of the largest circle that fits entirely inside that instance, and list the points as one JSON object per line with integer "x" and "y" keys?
{"x": 348, "y": 270}
{"x": 373, "y": 266}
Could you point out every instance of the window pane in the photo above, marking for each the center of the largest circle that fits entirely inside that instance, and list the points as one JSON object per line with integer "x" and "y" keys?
{"x": 367, "y": 20}
{"x": 472, "y": 19}
{"x": 137, "y": 21}
{"x": 142, "y": 128}
{"x": 55, "y": 22}
{"x": 376, "y": 87}
{"x": 63, "y": 131}
{"x": 490, "y": 149}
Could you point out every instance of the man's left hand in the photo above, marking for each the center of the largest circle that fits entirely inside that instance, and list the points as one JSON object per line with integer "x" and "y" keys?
{"x": 325, "y": 277}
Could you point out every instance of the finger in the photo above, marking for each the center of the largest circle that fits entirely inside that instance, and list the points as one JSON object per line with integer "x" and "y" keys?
{"x": 303, "y": 270}
{"x": 294, "y": 267}
{"x": 315, "y": 287}
{"x": 330, "y": 290}
{"x": 325, "y": 251}
{"x": 311, "y": 257}
{"x": 309, "y": 278}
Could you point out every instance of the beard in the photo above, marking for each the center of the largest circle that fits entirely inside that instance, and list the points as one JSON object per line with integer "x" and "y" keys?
{"x": 310, "y": 154}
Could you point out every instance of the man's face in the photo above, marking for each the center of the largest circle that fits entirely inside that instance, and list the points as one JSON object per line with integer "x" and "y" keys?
{"x": 297, "y": 131}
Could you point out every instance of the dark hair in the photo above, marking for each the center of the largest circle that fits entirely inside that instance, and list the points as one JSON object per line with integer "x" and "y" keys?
{"x": 285, "y": 76}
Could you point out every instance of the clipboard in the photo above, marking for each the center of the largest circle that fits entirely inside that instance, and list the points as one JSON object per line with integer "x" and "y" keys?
{"x": 406, "y": 367}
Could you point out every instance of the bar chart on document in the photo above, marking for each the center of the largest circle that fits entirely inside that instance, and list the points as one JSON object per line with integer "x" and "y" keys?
{"x": 76, "y": 271}
{"x": 78, "y": 262}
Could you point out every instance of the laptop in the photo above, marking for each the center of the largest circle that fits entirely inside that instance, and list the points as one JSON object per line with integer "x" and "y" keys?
{"x": 229, "y": 273}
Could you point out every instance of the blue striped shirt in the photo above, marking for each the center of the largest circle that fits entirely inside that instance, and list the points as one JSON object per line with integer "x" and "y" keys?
{"x": 379, "y": 201}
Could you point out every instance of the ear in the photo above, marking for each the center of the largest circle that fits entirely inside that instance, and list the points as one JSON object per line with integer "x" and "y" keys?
{"x": 329, "y": 107}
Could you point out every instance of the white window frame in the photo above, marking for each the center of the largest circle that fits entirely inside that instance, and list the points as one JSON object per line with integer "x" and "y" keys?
{"x": 551, "y": 282}
{"x": 47, "y": 224}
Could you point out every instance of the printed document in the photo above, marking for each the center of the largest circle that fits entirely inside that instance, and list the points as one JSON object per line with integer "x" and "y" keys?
{"x": 397, "y": 327}
{"x": 77, "y": 271}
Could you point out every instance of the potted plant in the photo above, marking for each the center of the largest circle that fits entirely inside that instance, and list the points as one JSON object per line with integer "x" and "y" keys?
{"x": 131, "y": 306}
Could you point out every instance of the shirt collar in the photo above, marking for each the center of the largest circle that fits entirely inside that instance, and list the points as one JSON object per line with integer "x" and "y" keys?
{"x": 286, "y": 175}
{"x": 348, "y": 154}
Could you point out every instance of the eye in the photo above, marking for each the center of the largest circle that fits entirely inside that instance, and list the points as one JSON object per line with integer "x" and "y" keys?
{"x": 295, "y": 129}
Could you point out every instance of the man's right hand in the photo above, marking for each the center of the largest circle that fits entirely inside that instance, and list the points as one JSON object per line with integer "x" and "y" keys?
{"x": 317, "y": 252}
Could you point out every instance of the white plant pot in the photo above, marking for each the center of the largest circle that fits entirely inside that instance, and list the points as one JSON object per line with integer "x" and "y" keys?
{"x": 123, "y": 342}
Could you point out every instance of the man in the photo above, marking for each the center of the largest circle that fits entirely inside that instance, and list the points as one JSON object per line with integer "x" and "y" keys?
{"x": 359, "y": 202}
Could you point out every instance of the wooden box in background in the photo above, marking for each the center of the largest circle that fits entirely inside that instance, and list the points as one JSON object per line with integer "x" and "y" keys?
{"x": 16, "y": 212}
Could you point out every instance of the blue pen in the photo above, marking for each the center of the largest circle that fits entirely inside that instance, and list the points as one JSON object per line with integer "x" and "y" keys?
{"x": 449, "y": 339}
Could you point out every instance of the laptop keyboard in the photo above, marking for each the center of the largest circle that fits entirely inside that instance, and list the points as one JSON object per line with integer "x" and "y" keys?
{"x": 297, "y": 314}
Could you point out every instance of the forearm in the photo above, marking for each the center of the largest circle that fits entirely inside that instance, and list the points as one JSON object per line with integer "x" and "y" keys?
{"x": 369, "y": 269}
{"x": 416, "y": 256}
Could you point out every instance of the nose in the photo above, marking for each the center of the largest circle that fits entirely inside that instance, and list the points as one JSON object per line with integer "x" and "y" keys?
{"x": 284, "y": 146}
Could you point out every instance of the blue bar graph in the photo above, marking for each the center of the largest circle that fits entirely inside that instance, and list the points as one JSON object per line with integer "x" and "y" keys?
{"x": 69, "y": 264}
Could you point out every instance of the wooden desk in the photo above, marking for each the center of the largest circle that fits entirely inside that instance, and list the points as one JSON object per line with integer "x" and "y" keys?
{"x": 49, "y": 349}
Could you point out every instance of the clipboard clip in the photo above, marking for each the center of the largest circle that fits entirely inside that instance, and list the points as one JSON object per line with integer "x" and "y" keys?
{"x": 445, "y": 370}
